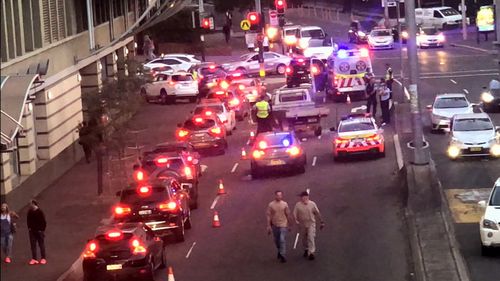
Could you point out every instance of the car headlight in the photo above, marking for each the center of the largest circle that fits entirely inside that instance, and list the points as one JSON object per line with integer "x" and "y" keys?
{"x": 487, "y": 97}
{"x": 361, "y": 34}
{"x": 490, "y": 224}
{"x": 453, "y": 151}
{"x": 495, "y": 150}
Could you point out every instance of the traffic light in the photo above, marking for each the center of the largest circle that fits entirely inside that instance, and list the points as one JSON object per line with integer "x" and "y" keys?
{"x": 254, "y": 19}
{"x": 281, "y": 20}
{"x": 280, "y": 6}
{"x": 205, "y": 23}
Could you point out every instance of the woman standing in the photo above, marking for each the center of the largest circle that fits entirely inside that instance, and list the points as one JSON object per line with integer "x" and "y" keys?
{"x": 8, "y": 228}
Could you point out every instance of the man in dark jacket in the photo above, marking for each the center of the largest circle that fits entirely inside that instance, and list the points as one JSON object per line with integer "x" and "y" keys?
{"x": 36, "y": 226}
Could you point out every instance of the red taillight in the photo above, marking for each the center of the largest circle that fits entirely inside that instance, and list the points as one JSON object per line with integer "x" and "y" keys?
{"x": 314, "y": 70}
{"x": 301, "y": 60}
{"x": 375, "y": 137}
{"x": 114, "y": 235}
{"x": 198, "y": 120}
{"x": 144, "y": 190}
{"x": 237, "y": 74}
{"x": 293, "y": 151}
{"x": 288, "y": 70}
{"x": 257, "y": 154}
{"x": 190, "y": 158}
{"x": 241, "y": 87}
{"x": 139, "y": 175}
{"x": 168, "y": 206}
{"x": 208, "y": 113}
{"x": 341, "y": 141}
{"x": 234, "y": 102}
{"x": 90, "y": 250}
{"x": 160, "y": 161}
{"x": 181, "y": 133}
{"x": 223, "y": 84}
{"x": 215, "y": 131}
{"x": 212, "y": 67}
{"x": 188, "y": 172}
{"x": 122, "y": 210}
{"x": 262, "y": 144}
{"x": 137, "y": 247}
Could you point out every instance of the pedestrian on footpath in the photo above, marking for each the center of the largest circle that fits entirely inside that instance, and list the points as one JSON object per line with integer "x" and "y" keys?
{"x": 389, "y": 77}
{"x": 148, "y": 48}
{"x": 85, "y": 140}
{"x": 371, "y": 97}
{"x": 36, "y": 227}
{"x": 8, "y": 228}
{"x": 278, "y": 222}
{"x": 305, "y": 214}
{"x": 226, "y": 29}
{"x": 385, "y": 97}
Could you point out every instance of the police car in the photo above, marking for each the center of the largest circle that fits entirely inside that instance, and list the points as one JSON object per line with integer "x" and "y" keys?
{"x": 358, "y": 134}
{"x": 346, "y": 72}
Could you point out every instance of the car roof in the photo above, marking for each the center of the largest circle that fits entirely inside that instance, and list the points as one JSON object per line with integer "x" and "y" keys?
{"x": 179, "y": 55}
{"x": 471, "y": 115}
{"x": 451, "y": 95}
{"x": 127, "y": 227}
{"x": 359, "y": 117}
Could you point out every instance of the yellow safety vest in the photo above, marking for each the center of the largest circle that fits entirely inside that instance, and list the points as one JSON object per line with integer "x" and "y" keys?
{"x": 262, "y": 109}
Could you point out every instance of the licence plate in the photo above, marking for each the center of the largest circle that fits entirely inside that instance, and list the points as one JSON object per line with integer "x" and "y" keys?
{"x": 475, "y": 149}
{"x": 113, "y": 267}
{"x": 145, "y": 212}
{"x": 276, "y": 162}
{"x": 312, "y": 120}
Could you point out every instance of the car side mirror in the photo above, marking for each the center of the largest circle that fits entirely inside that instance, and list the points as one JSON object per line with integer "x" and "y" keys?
{"x": 482, "y": 204}
{"x": 332, "y": 129}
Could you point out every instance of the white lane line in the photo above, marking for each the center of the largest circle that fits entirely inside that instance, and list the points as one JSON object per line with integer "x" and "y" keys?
{"x": 70, "y": 270}
{"x": 466, "y": 91}
{"x": 234, "y": 167}
{"x": 214, "y": 203}
{"x": 308, "y": 191}
{"x": 474, "y": 71}
{"x": 455, "y": 76}
{"x": 314, "y": 161}
{"x": 453, "y": 81}
{"x": 190, "y": 250}
{"x": 296, "y": 240}
{"x": 399, "y": 153}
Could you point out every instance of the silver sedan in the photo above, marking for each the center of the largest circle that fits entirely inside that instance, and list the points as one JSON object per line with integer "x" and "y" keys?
{"x": 249, "y": 63}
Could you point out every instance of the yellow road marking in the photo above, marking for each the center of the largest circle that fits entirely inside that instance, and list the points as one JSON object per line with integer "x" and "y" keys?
{"x": 463, "y": 203}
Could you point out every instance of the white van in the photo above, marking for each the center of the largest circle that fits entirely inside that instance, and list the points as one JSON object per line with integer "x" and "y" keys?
{"x": 309, "y": 33}
{"x": 438, "y": 17}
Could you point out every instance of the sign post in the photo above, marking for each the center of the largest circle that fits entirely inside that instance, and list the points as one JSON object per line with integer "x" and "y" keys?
{"x": 273, "y": 18}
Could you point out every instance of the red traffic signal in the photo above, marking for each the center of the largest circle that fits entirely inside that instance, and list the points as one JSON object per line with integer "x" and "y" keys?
{"x": 253, "y": 18}
{"x": 139, "y": 175}
{"x": 280, "y": 6}
{"x": 205, "y": 23}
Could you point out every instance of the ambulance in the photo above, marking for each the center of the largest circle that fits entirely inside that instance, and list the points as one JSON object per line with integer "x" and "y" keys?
{"x": 347, "y": 70}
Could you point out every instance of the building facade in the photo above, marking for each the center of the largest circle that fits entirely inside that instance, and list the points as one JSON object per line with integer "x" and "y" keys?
{"x": 51, "y": 40}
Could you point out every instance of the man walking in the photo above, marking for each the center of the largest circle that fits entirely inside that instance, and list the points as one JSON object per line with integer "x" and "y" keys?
{"x": 305, "y": 214}
{"x": 385, "y": 96}
{"x": 85, "y": 141}
{"x": 371, "y": 97}
{"x": 389, "y": 78}
{"x": 36, "y": 226}
{"x": 278, "y": 219}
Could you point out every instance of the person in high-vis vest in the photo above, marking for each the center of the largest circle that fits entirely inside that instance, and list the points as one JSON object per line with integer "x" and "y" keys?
{"x": 389, "y": 78}
{"x": 263, "y": 115}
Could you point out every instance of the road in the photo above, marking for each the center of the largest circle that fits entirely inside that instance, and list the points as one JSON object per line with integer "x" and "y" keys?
{"x": 361, "y": 200}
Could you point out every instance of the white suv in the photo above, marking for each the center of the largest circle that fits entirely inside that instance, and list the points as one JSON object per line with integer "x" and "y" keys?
{"x": 489, "y": 225}
{"x": 167, "y": 88}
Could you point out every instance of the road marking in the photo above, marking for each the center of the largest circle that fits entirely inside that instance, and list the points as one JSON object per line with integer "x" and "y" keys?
{"x": 464, "y": 75}
{"x": 399, "y": 153}
{"x": 214, "y": 203}
{"x": 314, "y": 161}
{"x": 453, "y": 81}
{"x": 71, "y": 269}
{"x": 296, "y": 240}
{"x": 248, "y": 142}
{"x": 190, "y": 250}
{"x": 355, "y": 109}
{"x": 463, "y": 203}
{"x": 466, "y": 91}
{"x": 234, "y": 167}
{"x": 474, "y": 71}
{"x": 472, "y": 48}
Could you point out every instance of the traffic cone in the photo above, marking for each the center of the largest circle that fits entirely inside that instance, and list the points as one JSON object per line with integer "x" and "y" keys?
{"x": 243, "y": 153}
{"x": 216, "y": 221}
{"x": 170, "y": 276}
{"x": 348, "y": 99}
{"x": 221, "y": 188}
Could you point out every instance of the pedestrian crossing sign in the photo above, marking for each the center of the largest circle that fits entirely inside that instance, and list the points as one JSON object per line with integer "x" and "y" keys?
{"x": 245, "y": 25}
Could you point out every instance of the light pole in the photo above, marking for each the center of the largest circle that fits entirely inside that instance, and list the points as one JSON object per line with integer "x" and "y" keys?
{"x": 420, "y": 156}
{"x": 464, "y": 19}
{"x": 497, "y": 30}
{"x": 202, "y": 38}
{"x": 400, "y": 39}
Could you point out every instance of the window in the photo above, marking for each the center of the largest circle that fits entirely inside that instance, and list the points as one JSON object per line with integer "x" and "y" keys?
{"x": 472, "y": 124}
{"x": 313, "y": 33}
{"x": 170, "y": 61}
{"x": 456, "y": 102}
{"x": 54, "y": 20}
{"x": 270, "y": 56}
{"x": 161, "y": 78}
{"x": 437, "y": 14}
{"x": 449, "y": 12}
{"x": 118, "y": 8}
{"x": 254, "y": 58}
{"x": 356, "y": 126}
{"x": 101, "y": 12}
{"x": 180, "y": 78}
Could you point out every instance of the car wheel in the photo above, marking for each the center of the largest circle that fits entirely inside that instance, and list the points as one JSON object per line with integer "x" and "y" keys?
{"x": 163, "y": 263}
{"x": 281, "y": 69}
{"x": 90, "y": 277}
{"x": 188, "y": 224}
{"x": 229, "y": 132}
{"x": 179, "y": 232}
{"x": 242, "y": 70}
{"x": 445, "y": 26}
{"x": 144, "y": 95}
{"x": 337, "y": 158}
{"x": 149, "y": 275}
{"x": 382, "y": 154}
{"x": 301, "y": 169}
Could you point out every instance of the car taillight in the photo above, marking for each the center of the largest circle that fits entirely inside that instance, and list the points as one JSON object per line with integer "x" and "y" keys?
{"x": 90, "y": 250}
{"x": 188, "y": 172}
{"x": 288, "y": 70}
{"x": 241, "y": 87}
{"x": 208, "y": 113}
{"x": 122, "y": 210}
{"x": 223, "y": 84}
{"x": 234, "y": 102}
{"x": 258, "y": 154}
{"x": 168, "y": 206}
{"x": 262, "y": 144}
{"x": 161, "y": 161}
{"x": 215, "y": 131}
{"x": 190, "y": 158}
{"x": 314, "y": 70}
{"x": 114, "y": 235}
{"x": 293, "y": 151}
{"x": 181, "y": 133}
{"x": 341, "y": 141}
{"x": 137, "y": 247}
{"x": 144, "y": 190}
{"x": 375, "y": 137}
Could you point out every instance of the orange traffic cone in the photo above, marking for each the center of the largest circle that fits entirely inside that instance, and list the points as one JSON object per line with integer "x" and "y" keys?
{"x": 243, "y": 153}
{"x": 221, "y": 188}
{"x": 170, "y": 276}
{"x": 348, "y": 99}
{"x": 216, "y": 221}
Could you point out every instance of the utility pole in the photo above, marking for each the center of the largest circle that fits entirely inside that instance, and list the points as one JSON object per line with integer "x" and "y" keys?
{"x": 386, "y": 14}
{"x": 258, "y": 8}
{"x": 497, "y": 30}
{"x": 420, "y": 156}
{"x": 201, "y": 11}
{"x": 464, "y": 19}
{"x": 400, "y": 39}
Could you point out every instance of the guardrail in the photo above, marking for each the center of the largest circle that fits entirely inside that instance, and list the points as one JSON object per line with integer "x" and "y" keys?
{"x": 331, "y": 12}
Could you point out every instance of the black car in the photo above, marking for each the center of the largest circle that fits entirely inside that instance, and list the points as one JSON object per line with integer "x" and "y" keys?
{"x": 298, "y": 72}
{"x": 356, "y": 34}
{"x": 209, "y": 74}
{"x": 176, "y": 165}
{"x": 183, "y": 148}
{"x": 161, "y": 203}
{"x": 491, "y": 97}
{"x": 128, "y": 251}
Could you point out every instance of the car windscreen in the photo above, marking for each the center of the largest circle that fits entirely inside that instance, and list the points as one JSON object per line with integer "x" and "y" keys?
{"x": 313, "y": 33}
{"x": 133, "y": 196}
{"x": 277, "y": 140}
{"x": 179, "y": 78}
{"x": 472, "y": 124}
{"x": 495, "y": 197}
{"x": 451, "y": 102}
{"x": 174, "y": 164}
{"x": 381, "y": 33}
{"x": 449, "y": 12}
{"x": 194, "y": 126}
{"x": 290, "y": 32}
{"x": 319, "y": 43}
{"x": 356, "y": 126}
{"x": 430, "y": 31}
{"x": 213, "y": 108}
